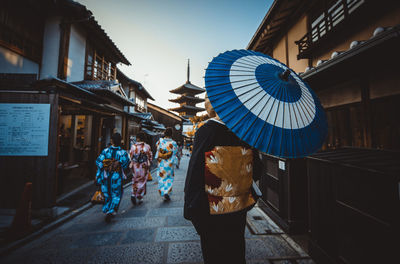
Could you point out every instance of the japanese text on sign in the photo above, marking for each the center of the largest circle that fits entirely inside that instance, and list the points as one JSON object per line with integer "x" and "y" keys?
{"x": 24, "y": 129}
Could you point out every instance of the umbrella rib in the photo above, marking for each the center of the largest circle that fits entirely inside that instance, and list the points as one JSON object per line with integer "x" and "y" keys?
{"x": 240, "y": 62}
{"x": 283, "y": 119}
{"x": 234, "y": 99}
{"x": 249, "y": 109}
{"x": 297, "y": 122}
{"x": 230, "y": 70}
{"x": 248, "y": 128}
{"x": 305, "y": 109}
{"x": 265, "y": 121}
{"x": 221, "y": 84}
{"x": 236, "y": 88}
{"x": 273, "y": 127}
{"x": 230, "y": 64}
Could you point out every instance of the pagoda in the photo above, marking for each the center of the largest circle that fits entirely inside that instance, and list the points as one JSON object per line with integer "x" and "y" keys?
{"x": 187, "y": 98}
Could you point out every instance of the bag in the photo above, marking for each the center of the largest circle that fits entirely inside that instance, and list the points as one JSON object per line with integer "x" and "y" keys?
{"x": 140, "y": 158}
{"x": 97, "y": 198}
{"x": 149, "y": 178}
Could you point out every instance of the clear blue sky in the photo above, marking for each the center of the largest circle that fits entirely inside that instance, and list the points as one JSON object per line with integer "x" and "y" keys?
{"x": 158, "y": 36}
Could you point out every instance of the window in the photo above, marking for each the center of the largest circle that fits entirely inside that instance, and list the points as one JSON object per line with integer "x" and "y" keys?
{"x": 336, "y": 12}
{"x": 328, "y": 15}
{"x": 98, "y": 67}
{"x": 140, "y": 104}
{"x": 132, "y": 99}
{"x": 21, "y": 31}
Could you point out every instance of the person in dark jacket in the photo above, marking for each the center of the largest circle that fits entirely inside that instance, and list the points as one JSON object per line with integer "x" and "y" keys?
{"x": 218, "y": 190}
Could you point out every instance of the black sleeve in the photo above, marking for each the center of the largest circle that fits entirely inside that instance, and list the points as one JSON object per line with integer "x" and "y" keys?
{"x": 196, "y": 203}
{"x": 258, "y": 166}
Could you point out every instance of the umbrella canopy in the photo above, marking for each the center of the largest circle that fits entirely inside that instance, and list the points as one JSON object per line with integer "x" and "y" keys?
{"x": 265, "y": 103}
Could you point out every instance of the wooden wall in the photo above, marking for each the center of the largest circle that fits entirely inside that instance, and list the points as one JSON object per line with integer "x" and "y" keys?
{"x": 41, "y": 171}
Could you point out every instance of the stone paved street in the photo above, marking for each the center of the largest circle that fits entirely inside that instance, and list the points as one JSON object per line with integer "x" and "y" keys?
{"x": 153, "y": 232}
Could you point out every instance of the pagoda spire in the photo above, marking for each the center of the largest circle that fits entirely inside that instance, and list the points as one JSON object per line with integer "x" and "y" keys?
{"x": 188, "y": 71}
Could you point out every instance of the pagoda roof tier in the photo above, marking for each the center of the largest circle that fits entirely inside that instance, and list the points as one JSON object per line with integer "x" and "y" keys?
{"x": 188, "y": 88}
{"x": 187, "y": 98}
{"x": 186, "y": 108}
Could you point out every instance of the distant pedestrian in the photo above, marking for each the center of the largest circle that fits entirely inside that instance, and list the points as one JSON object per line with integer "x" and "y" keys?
{"x": 166, "y": 156}
{"x": 218, "y": 190}
{"x": 110, "y": 165}
{"x": 141, "y": 157}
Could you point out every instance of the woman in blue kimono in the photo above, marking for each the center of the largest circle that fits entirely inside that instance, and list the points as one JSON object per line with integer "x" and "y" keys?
{"x": 110, "y": 165}
{"x": 166, "y": 156}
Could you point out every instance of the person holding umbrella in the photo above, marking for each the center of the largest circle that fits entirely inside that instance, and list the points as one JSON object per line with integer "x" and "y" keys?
{"x": 218, "y": 190}
{"x": 256, "y": 101}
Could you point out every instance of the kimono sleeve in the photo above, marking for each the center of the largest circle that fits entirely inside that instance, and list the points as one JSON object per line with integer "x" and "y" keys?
{"x": 174, "y": 153}
{"x": 132, "y": 150}
{"x": 196, "y": 202}
{"x": 257, "y": 165}
{"x": 99, "y": 164}
{"x": 158, "y": 148}
{"x": 124, "y": 159}
{"x": 149, "y": 154}
{"x": 100, "y": 158}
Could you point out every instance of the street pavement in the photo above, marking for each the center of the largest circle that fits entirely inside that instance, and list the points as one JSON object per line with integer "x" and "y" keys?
{"x": 152, "y": 232}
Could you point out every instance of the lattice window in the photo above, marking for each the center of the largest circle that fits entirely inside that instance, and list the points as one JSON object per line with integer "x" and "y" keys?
{"x": 98, "y": 67}
{"x": 21, "y": 32}
{"x": 326, "y": 20}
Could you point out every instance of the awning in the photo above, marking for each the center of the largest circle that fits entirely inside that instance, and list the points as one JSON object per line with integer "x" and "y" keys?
{"x": 61, "y": 85}
{"x": 150, "y": 133}
{"x": 104, "y": 88}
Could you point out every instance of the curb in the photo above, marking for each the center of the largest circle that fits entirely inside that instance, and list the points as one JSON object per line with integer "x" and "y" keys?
{"x": 47, "y": 228}
{"x": 44, "y": 229}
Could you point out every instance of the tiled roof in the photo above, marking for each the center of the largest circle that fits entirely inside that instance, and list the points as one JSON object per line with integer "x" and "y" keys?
{"x": 104, "y": 87}
{"x": 140, "y": 87}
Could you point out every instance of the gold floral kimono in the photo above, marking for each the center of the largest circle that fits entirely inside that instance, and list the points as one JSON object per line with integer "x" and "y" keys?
{"x": 228, "y": 179}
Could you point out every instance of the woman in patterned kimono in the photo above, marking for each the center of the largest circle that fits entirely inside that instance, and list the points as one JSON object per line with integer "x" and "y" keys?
{"x": 218, "y": 190}
{"x": 141, "y": 158}
{"x": 166, "y": 156}
{"x": 110, "y": 164}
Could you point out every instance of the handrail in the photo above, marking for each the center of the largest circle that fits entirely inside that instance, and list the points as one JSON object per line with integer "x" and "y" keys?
{"x": 337, "y": 14}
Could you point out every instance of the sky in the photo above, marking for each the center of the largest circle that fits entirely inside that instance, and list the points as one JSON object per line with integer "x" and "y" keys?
{"x": 159, "y": 36}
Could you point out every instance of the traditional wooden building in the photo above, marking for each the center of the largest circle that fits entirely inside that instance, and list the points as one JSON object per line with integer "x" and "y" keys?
{"x": 138, "y": 95}
{"x": 167, "y": 119}
{"x": 58, "y": 81}
{"x": 347, "y": 51}
{"x": 187, "y": 98}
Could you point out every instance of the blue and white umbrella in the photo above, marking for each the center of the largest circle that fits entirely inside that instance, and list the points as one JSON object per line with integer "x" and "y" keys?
{"x": 265, "y": 103}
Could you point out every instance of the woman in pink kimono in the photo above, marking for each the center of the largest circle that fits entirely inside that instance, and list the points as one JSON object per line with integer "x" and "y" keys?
{"x": 141, "y": 158}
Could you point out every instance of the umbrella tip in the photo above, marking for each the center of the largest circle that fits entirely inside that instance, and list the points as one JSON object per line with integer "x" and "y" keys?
{"x": 285, "y": 75}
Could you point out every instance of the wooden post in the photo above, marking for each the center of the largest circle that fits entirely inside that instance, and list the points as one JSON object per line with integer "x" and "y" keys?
{"x": 21, "y": 224}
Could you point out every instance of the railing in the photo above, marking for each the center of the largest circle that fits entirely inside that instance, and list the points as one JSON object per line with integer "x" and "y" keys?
{"x": 328, "y": 20}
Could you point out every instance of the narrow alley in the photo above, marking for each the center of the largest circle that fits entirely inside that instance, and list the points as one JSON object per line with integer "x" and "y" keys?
{"x": 153, "y": 232}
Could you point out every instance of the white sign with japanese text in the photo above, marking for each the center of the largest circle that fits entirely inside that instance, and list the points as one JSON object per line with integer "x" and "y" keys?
{"x": 24, "y": 129}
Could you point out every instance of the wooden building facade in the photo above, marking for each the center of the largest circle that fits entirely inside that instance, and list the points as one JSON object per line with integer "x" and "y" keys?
{"x": 168, "y": 119}
{"x": 55, "y": 54}
{"x": 347, "y": 51}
